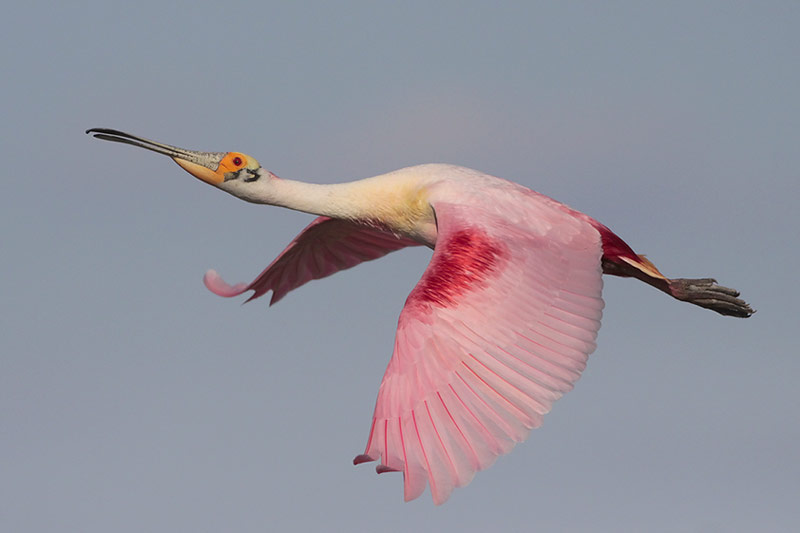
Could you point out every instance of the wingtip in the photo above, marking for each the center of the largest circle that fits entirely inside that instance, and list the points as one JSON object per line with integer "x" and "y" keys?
{"x": 363, "y": 458}
{"x": 214, "y": 282}
{"x": 380, "y": 469}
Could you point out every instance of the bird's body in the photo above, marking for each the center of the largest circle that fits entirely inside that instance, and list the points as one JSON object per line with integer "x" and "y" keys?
{"x": 498, "y": 328}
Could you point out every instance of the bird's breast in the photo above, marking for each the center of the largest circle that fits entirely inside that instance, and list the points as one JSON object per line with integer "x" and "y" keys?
{"x": 405, "y": 210}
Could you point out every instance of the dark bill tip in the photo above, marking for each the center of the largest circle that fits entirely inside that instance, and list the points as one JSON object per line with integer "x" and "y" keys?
{"x": 108, "y": 134}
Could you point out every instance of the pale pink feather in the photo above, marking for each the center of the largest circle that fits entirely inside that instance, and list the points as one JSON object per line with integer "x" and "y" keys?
{"x": 498, "y": 328}
{"x": 324, "y": 247}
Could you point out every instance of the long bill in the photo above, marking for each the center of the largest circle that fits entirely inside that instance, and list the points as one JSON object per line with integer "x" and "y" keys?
{"x": 203, "y": 165}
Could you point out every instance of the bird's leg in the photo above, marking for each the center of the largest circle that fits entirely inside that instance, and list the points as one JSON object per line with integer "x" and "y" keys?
{"x": 703, "y": 292}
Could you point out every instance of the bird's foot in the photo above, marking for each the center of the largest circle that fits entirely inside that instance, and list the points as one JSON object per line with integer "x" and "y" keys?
{"x": 706, "y": 293}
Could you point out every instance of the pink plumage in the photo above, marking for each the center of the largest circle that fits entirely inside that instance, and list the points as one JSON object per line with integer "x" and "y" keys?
{"x": 324, "y": 247}
{"x": 477, "y": 365}
{"x": 499, "y": 327}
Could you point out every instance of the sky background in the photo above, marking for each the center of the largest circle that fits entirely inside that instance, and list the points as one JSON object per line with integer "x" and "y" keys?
{"x": 133, "y": 400}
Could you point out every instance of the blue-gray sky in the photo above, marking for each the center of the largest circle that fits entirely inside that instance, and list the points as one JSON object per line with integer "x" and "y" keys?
{"x": 131, "y": 399}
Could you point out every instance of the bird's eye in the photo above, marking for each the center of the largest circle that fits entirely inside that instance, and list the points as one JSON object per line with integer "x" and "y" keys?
{"x": 237, "y": 161}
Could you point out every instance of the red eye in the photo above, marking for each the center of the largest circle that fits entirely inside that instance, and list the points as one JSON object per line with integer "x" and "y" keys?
{"x": 237, "y": 161}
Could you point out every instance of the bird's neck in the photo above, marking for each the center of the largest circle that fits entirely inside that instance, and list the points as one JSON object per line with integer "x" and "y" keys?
{"x": 393, "y": 202}
{"x": 340, "y": 200}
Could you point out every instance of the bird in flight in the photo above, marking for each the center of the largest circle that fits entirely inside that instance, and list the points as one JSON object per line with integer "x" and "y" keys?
{"x": 499, "y": 327}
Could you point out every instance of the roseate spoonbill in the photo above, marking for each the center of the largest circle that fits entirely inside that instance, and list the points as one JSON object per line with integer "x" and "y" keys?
{"x": 498, "y": 328}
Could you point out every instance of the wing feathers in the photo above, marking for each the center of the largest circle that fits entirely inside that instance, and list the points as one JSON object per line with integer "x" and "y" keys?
{"x": 491, "y": 408}
{"x": 481, "y": 439}
{"x": 504, "y": 384}
{"x": 499, "y": 327}
{"x": 461, "y": 458}
{"x": 324, "y": 247}
{"x": 415, "y": 467}
{"x": 477, "y": 365}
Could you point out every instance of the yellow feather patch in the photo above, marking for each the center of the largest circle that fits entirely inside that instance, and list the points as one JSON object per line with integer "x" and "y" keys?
{"x": 406, "y": 207}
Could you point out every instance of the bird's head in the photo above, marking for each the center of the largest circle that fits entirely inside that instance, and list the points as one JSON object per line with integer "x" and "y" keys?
{"x": 233, "y": 172}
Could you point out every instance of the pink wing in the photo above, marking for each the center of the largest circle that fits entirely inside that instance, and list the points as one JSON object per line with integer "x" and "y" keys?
{"x": 498, "y": 328}
{"x": 324, "y": 247}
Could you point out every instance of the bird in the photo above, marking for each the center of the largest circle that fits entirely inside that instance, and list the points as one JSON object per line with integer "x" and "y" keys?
{"x": 500, "y": 325}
